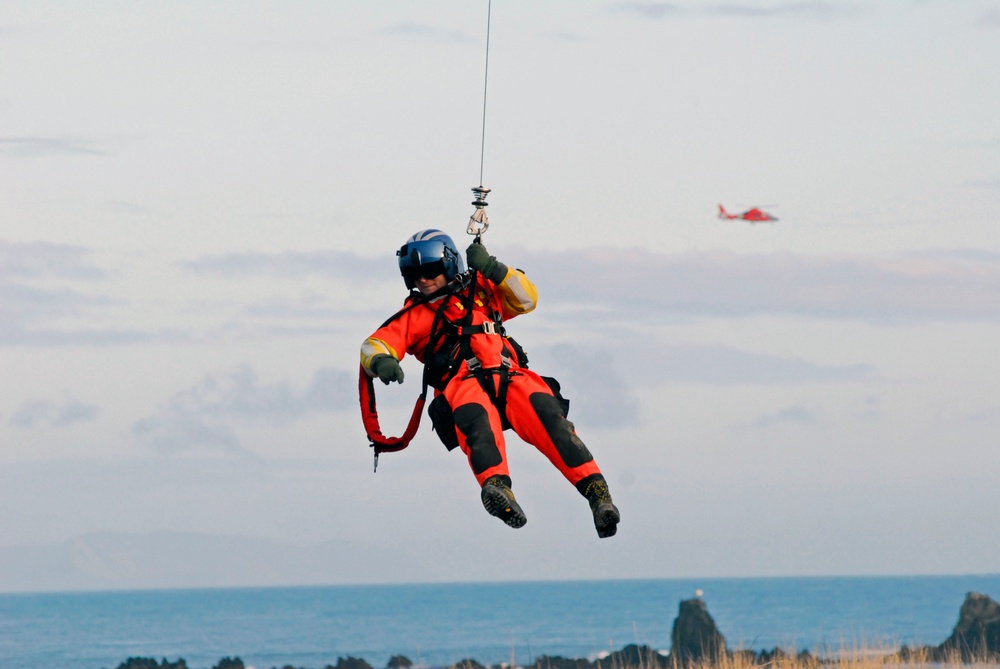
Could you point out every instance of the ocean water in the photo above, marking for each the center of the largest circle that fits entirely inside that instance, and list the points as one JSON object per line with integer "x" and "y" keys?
{"x": 436, "y": 625}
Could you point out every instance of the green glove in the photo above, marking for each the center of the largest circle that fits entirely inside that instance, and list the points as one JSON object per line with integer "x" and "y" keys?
{"x": 481, "y": 260}
{"x": 387, "y": 369}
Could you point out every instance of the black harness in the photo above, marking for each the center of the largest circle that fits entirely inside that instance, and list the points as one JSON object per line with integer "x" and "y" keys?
{"x": 448, "y": 345}
{"x": 453, "y": 341}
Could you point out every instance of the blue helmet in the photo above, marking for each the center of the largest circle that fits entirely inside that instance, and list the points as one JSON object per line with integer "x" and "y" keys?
{"x": 429, "y": 253}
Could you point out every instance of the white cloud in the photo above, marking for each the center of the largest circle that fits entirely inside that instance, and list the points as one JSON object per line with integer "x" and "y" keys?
{"x": 633, "y": 284}
{"x": 781, "y": 9}
{"x": 986, "y": 185}
{"x": 795, "y": 414}
{"x": 40, "y": 283}
{"x": 175, "y": 431}
{"x": 659, "y": 10}
{"x": 207, "y": 416}
{"x": 31, "y": 147}
{"x": 723, "y": 365}
{"x": 330, "y": 263}
{"x": 910, "y": 287}
{"x": 990, "y": 18}
{"x": 12, "y": 335}
{"x": 40, "y": 260}
{"x": 65, "y": 413}
{"x": 649, "y": 10}
{"x": 601, "y": 391}
{"x": 606, "y": 389}
{"x": 432, "y": 33}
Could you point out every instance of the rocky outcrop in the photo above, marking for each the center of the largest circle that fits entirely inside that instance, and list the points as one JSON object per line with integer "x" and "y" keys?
{"x": 150, "y": 663}
{"x": 467, "y": 663}
{"x": 230, "y": 663}
{"x": 560, "y": 662}
{"x": 349, "y": 663}
{"x": 975, "y": 638}
{"x": 696, "y": 641}
{"x": 633, "y": 655}
{"x": 695, "y": 636}
{"x": 977, "y": 634}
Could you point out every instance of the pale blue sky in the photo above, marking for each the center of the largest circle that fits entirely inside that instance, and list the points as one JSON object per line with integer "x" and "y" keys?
{"x": 199, "y": 207}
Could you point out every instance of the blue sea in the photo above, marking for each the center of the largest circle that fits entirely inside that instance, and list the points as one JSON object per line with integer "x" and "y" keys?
{"x": 436, "y": 625}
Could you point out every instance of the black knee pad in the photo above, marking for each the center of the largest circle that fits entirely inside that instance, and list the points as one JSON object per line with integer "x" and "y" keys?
{"x": 571, "y": 448}
{"x": 474, "y": 423}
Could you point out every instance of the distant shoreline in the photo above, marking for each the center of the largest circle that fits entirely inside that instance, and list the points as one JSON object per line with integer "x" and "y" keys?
{"x": 437, "y": 625}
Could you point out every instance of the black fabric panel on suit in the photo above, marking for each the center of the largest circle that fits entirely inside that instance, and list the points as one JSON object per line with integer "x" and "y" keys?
{"x": 474, "y": 423}
{"x": 570, "y": 447}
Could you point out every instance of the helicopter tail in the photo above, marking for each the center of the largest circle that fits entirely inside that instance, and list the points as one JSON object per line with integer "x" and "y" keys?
{"x": 723, "y": 214}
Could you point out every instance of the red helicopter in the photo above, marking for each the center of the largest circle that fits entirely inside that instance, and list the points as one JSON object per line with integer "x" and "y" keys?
{"x": 754, "y": 215}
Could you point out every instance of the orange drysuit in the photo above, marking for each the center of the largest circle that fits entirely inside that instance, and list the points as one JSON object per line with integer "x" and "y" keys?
{"x": 530, "y": 407}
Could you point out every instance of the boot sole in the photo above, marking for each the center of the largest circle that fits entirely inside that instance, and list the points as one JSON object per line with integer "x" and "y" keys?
{"x": 504, "y": 508}
{"x": 606, "y": 521}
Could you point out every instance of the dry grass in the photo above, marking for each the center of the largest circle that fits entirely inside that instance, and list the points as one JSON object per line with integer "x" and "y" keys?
{"x": 857, "y": 657}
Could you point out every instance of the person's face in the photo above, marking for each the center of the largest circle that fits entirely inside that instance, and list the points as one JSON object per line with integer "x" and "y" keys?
{"x": 427, "y": 277}
{"x": 428, "y": 286}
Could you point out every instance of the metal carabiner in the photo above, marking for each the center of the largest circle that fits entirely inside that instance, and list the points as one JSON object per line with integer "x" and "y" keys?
{"x": 479, "y": 221}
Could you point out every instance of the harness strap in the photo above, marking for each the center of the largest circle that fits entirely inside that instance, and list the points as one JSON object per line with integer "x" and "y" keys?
{"x": 369, "y": 416}
{"x": 486, "y": 327}
{"x": 496, "y": 389}
{"x": 366, "y": 386}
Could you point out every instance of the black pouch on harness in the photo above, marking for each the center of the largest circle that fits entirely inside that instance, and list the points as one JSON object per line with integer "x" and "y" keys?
{"x": 443, "y": 422}
{"x": 522, "y": 360}
{"x": 519, "y": 354}
{"x": 556, "y": 388}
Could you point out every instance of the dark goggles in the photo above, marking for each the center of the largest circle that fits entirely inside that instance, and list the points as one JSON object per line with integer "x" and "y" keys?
{"x": 430, "y": 270}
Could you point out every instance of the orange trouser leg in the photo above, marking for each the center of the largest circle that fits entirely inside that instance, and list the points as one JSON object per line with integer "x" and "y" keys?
{"x": 478, "y": 426}
{"x": 535, "y": 415}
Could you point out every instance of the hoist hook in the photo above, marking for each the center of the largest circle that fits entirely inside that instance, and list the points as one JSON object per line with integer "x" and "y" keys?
{"x": 479, "y": 221}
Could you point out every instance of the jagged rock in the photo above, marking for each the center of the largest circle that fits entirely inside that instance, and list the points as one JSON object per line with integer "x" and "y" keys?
{"x": 230, "y": 663}
{"x": 695, "y": 637}
{"x": 977, "y": 634}
{"x": 774, "y": 656}
{"x": 349, "y": 663}
{"x": 559, "y": 662}
{"x": 399, "y": 662}
{"x": 806, "y": 659}
{"x": 150, "y": 663}
{"x": 915, "y": 655}
{"x": 632, "y": 656}
{"x": 467, "y": 663}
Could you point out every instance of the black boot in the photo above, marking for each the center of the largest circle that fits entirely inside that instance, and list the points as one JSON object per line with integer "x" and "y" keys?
{"x": 499, "y": 500}
{"x": 606, "y": 516}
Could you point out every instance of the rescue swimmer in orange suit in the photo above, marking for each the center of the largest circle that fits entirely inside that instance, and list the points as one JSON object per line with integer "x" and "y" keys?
{"x": 481, "y": 380}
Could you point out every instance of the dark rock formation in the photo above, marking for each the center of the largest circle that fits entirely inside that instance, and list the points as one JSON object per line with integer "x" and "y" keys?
{"x": 977, "y": 634}
{"x": 467, "y": 664}
{"x": 634, "y": 656}
{"x": 230, "y": 663}
{"x": 349, "y": 663}
{"x": 695, "y": 637}
{"x": 559, "y": 662}
{"x": 778, "y": 656}
{"x": 150, "y": 663}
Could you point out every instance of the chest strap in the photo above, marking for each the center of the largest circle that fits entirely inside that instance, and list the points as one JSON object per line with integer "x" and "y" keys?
{"x": 494, "y": 382}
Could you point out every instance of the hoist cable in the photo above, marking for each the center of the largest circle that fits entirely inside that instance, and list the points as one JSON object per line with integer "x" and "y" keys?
{"x": 486, "y": 79}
